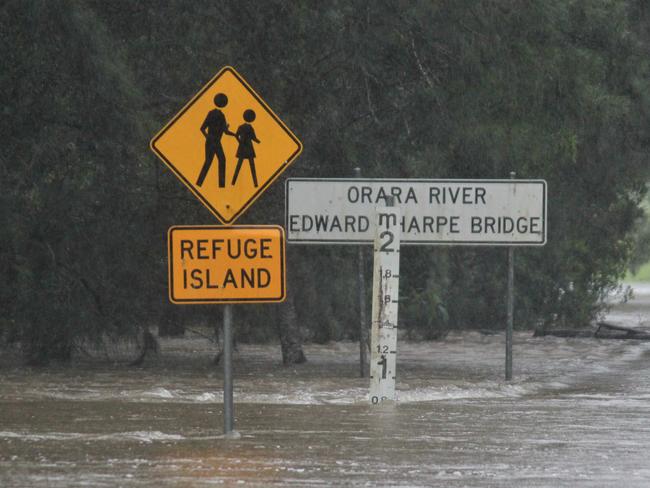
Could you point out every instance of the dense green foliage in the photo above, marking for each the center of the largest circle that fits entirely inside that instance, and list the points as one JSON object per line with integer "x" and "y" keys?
{"x": 552, "y": 89}
{"x": 641, "y": 247}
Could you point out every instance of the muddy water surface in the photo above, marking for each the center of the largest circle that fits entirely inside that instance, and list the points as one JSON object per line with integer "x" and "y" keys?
{"x": 576, "y": 414}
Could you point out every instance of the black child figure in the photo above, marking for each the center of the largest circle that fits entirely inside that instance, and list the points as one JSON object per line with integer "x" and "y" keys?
{"x": 246, "y": 135}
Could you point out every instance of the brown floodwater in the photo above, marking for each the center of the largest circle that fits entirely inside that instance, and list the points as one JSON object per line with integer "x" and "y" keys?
{"x": 575, "y": 415}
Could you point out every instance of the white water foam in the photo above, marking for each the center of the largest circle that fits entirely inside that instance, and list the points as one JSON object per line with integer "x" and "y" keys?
{"x": 139, "y": 436}
{"x": 159, "y": 393}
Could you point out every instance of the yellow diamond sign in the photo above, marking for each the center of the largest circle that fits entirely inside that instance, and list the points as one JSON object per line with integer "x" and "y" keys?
{"x": 226, "y": 145}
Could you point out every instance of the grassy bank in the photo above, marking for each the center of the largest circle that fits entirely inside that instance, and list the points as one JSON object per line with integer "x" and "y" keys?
{"x": 643, "y": 274}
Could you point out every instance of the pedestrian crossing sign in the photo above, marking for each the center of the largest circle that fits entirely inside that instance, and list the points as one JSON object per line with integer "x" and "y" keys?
{"x": 226, "y": 145}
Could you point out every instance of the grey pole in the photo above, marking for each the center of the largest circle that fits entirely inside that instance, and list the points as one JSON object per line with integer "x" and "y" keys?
{"x": 228, "y": 417}
{"x": 363, "y": 325}
{"x": 511, "y": 304}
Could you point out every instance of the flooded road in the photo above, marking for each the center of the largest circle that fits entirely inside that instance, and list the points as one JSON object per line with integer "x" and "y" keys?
{"x": 575, "y": 415}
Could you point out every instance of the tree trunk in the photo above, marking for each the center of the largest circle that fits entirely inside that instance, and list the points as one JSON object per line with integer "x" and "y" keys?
{"x": 290, "y": 336}
{"x": 149, "y": 344}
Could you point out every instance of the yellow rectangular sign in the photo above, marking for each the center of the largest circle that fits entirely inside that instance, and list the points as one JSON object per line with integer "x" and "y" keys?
{"x": 235, "y": 264}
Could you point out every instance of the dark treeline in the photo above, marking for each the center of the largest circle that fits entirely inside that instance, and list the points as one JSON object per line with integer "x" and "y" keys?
{"x": 552, "y": 89}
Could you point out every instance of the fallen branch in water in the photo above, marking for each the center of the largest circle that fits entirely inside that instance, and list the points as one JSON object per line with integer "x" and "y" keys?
{"x": 604, "y": 330}
{"x": 607, "y": 330}
{"x": 564, "y": 332}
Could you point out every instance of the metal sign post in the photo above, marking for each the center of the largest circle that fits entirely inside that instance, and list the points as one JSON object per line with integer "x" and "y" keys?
{"x": 363, "y": 325}
{"x": 228, "y": 410}
{"x": 385, "y": 294}
{"x": 511, "y": 299}
{"x": 510, "y": 305}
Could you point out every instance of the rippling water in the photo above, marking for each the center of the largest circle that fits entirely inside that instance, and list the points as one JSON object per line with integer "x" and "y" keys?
{"x": 575, "y": 415}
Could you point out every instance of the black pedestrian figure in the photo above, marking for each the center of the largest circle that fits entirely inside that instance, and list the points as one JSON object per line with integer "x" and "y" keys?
{"x": 246, "y": 135}
{"x": 214, "y": 126}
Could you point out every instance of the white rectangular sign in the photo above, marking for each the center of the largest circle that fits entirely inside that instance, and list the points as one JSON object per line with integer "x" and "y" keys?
{"x": 465, "y": 212}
